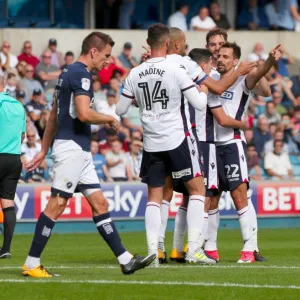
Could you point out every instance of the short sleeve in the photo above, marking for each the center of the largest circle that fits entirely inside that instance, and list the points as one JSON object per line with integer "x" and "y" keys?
{"x": 193, "y": 22}
{"x": 268, "y": 161}
{"x": 183, "y": 80}
{"x": 128, "y": 90}
{"x": 213, "y": 101}
{"x": 24, "y": 122}
{"x": 80, "y": 83}
{"x": 29, "y": 108}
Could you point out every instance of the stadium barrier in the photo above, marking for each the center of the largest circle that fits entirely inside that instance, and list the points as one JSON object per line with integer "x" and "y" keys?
{"x": 127, "y": 201}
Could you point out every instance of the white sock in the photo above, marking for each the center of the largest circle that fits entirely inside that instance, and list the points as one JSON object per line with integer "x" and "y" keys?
{"x": 195, "y": 217}
{"x": 124, "y": 258}
{"x": 253, "y": 222}
{"x": 245, "y": 228}
{"x": 180, "y": 229}
{"x": 152, "y": 222}
{"x": 32, "y": 262}
{"x": 212, "y": 230}
{"x": 164, "y": 213}
{"x": 204, "y": 229}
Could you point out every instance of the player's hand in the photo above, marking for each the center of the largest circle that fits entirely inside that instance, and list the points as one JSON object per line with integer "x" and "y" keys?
{"x": 114, "y": 124}
{"x": 134, "y": 102}
{"x": 37, "y": 160}
{"x": 244, "y": 124}
{"x": 246, "y": 66}
{"x": 275, "y": 53}
{"x": 202, "y": 88}
{"x": 146, "y": 55}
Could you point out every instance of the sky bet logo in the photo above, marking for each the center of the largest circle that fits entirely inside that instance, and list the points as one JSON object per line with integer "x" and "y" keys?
{"x": 227, "y": 95}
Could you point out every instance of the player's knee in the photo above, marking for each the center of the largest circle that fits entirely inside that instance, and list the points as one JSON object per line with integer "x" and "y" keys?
{"x": 101, "y": 206}
{"x": 55, "y": 207}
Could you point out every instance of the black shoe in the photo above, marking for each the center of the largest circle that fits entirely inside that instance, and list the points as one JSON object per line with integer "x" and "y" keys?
{"x": 137, "y": 263}
{"x": 162, "y": 257}
{"x": 4, "y": 254}
{"x": 259, "y": 257}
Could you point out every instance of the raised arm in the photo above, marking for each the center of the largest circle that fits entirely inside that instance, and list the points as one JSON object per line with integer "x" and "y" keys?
{"x": 220, "y": 86}
{"x": 255, "y": 75}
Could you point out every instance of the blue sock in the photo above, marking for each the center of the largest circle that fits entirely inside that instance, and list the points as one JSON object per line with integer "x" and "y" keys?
{"x": 109, "y": 233}
{"x": 42, "y": 234}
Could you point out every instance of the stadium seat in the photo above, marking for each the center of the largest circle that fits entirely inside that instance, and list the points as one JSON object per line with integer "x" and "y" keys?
{"x": 296, "y": 170}
{"x": 295, "y": 159}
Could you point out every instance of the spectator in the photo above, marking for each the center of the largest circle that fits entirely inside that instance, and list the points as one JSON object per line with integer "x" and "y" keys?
{"x": 35, "y": 106}
{"x": 106, "y": 73}
{"x": 7, "y": 57}
{"x": 290, "y": 134}
{"x": 296, "y": 118}
{"x": 135, "y": 158}
{"x": 11, "y": 84}
{"x": 40, "y": 124}
{"x": 99, "y": 94}
{"x": 105, "y": 144}
{"x": 287, "y": 14}
{"x": 261, "y": 135}
{"x": 271, "y": 12}
{"x": 283, "y": 62}
{"x": 21, "y": 70}
{"x": 108, "y": 107}
{"x": 135, "y": 135}
{"x": 128, "y": 61}
{"x": 277, "y": 163}
{"x": 277, "y": 99}
{"x": 271, "y": 113}
{"x": 57, "y": 58}
{"x": 202, "y": 22}
{"x": 99, "y": 163}
{"x": 118, "y": 164}
{"x": 27, "y": 55}
{"x": 272, "y": 129}
{"x": 20, "y": 96}
{"x": 131, "y": 119}
{"x": 253, "y": 17}
{"x": 31, "y": 147}
{"x": 296, "y": 84}
{"x": 125, "y": 13}
{"x": 47, "y": 74}
{"x": 219, "y": 18}
{"x": 258, "y": 53}
{"x": 249, "y": 135}
{"x": 278, "y": 136}
{"x": 29, "y": 83}
{"x": 178, "y": 19}
{"x": 253, "y": 163}
{"x": 69, "y": 59}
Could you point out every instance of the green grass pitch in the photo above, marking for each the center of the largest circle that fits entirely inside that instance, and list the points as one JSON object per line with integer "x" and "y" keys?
{"x": 88, "y": 270}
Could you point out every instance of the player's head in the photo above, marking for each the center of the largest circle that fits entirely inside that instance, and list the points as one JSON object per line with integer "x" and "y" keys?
{"x": 228, "y": 57}
{"x": 177, "y": 42}
{"x": 158, "y": 37}
{"x": 215, "y": 39}
{"x": 96, "y": 47}
{"x": 203, "y": 58}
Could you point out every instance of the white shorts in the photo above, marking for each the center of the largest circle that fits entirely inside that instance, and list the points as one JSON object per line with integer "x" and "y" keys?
{"x": 74, "y": 170}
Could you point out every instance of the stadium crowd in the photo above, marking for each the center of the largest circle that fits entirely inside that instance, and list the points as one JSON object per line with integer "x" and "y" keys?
{"x": 273, "y": 135}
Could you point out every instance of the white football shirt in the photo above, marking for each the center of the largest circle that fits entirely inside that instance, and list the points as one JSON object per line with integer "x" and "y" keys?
{"x": 195, "y": 72}
{"x": 234, "y": 102}
{"x": 157, "y": 86}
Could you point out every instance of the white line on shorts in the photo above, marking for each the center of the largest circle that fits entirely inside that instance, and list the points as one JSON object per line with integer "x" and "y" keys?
{"x": 135, "y": 282}
{"x": 175, "y": 266}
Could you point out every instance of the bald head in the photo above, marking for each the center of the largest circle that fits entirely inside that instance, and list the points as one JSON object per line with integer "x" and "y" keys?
{"x": 177, "y": 41}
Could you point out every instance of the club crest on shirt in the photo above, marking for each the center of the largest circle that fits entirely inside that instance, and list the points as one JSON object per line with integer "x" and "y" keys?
{"x": 85, "y": 84}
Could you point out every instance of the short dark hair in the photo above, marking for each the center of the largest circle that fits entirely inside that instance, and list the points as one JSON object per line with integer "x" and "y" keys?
{"x": 272, "y": 102}
{"x": 251, "y": 145}
{"x": 157, "y": 35}
{"x": 69, "y": 53}
{"x": 200, "y": 55}
{"x": 235, "y": 47}
{"x": 11, "y": 75}
{"x": 96, "y": 39}
{"x": 181, "y": 5}
{"x": 215, "y": 32}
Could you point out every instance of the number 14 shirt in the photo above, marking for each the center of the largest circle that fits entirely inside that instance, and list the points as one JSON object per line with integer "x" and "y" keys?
{"x": 157, "y": 86}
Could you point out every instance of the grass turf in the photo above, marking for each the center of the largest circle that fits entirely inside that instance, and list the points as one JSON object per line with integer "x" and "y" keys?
{"x": 88, "y": 270}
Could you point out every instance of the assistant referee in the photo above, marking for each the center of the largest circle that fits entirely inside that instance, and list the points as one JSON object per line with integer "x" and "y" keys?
{"x": 12, "y": 131}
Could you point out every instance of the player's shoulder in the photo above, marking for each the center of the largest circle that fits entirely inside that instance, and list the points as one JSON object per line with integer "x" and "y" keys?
{"x": 77, "y": 68}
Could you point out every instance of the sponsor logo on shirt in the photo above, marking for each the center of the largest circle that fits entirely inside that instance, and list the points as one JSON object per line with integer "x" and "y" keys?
{"x": 227, "y": 95}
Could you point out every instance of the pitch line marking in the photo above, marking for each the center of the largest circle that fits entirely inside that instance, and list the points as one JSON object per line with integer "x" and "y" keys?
{"x": 184, "y": 266}
{"x": 135, "y": 282}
